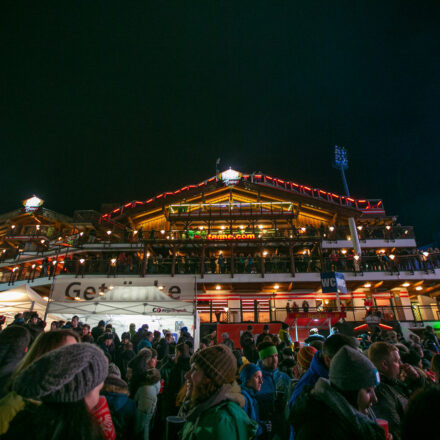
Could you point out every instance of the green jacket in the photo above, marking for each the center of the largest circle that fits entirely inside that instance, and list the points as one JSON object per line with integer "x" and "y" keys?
{"x": 224, "y": 421}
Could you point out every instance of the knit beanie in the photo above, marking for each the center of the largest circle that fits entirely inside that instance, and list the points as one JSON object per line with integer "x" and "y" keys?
{"x": 66, "y": 374}
{"x": 217, "y": 362}
{"x": 247, "y": 372}
{"x": 305, "y": 356}
{"x": 350, "y": 370}
{"x": 116, "y": 381}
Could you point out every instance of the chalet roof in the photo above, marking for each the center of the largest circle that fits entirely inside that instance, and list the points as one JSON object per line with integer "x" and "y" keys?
{"x": 257, "y": 182}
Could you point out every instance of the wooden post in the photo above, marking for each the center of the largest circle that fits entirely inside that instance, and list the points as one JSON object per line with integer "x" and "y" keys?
{"x": 173, "y": 265}
{"x": 232, "y": 260}
{"x": 292, "y": 260}
{"x": 202, "y": 267}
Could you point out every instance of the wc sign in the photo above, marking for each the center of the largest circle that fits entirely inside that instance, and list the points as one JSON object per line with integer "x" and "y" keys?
{"x": 333, "y": 282}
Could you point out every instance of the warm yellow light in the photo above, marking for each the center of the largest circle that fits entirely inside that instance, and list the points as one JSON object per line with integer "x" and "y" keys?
{"x": 419, "y": 288}
{"x": 388, "y": 227}
{"x": 344, "y": 251}
{"x": 303, "y": 229}
{"x": 38, "y": 227}
{"x": 113, "y": 261}
{"x": 12, "y": 226}
{"x": 222, "y": 228}
{"x": 77, "y": 298}
{"x": 111, "y": 287}
{"x": 148, "y": 254}
{"x": 382, "y": 251}
{"x": 264, "y": 253}
{"x": 109, "y": 232}
{"x": 241, "y": 227}
{"x": 81, "y": 260}
{"x": 135, "y": 232}
{"x": 359, "y": 228}
{"x": 406, "y": 284}
{"x": 367, "y": 285}
{"x": 81, "y": 234}
{"x": 33, "y": 266}
{"x": 276, "y": 287}
{"x": 356, "y": 257}
{"x": 260, "y": 226}
{"x": 42, "y": 241}
{"x": 160, "y": 287}
{"x": 201, "y": 228}
{"x": 348, "y": 237}
{"x": 54, "y": 262}
{"x": 331, "y": 228}
{"x": 226, "y": 309}
{"x": 218, "y": 287}
{"x": 425, "y": 253}
{"x": 392, "y": 256}
{"x": 45, "y": 298}
{"x": 162, "y": 231}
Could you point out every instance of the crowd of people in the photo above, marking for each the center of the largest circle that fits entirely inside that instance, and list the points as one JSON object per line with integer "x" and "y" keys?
{"x": 73, "y": 381}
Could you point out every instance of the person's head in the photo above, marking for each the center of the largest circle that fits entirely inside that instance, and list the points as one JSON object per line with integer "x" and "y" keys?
{"x": 183, "y": 330}
{"x": 114, "y": 384}
{"x": 304, "y": 357}
{"x": 265, "y": 329}
{"x": 152, "y": 362}
{"x": 107, "y": 338}
{"x": 333, "y": 344}
{"x": 435, "y": 366}
{"x": 249, "y": 328}
{"x": 75, "y": 320}
{"x": 355, "y": 377}
{"x": 125, "y": 337}
{"x": 85, "y": 329}
{"x": 392, "y": 337}
{"x": 14, "y": 342}
{"x": 101, "y": 323}
{"x": 225, "y": 336}
{"x": 44, "y": 343}
{"x": 132, "y": 326}
{"x": 149, "y": 336}
{"x": 317, "y": 344}
{"x": 53, "y": 325}
{"x": 413, "y": 358}
{"x": 284, "y": 326}
{"x": 252, "y": 377}
{"x": 33, "y": 318}
{"x": 211, "y": 368}
{"x": 169, "y": 338}
{"x": 386, "y": 358}
{"x": 67, "y": 374}
{"x": 268, "y": 355}
{"x": 139, "y": 364}
{"x": 423, "y": 408}
{"x": 313, "y": 331}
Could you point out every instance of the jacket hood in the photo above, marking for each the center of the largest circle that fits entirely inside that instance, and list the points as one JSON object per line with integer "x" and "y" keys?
{"x": 318, "y": 367}
{"x": 324, "y": 392}
{"x": 116, "y": 400}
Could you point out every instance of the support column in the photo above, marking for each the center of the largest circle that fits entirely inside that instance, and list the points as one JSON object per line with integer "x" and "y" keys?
{"x": 292, "y": 260}
{"x": 173, "y": 265}
{"x": 232, "y": 261}
{"x": 262, "y": 259}
{"x": 202, "y": 267}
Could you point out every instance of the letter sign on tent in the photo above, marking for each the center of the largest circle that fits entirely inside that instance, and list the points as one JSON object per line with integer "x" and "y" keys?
{"x": 333, "y": 282}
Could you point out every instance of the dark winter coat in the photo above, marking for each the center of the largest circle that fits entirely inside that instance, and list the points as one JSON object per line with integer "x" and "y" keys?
{"x": 325, "y": 414}
{"x": 124, "y": 414}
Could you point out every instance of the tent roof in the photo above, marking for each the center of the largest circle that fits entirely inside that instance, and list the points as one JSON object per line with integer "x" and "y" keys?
{"x": 126, "y": 300}
{"x": 20, "y": 299}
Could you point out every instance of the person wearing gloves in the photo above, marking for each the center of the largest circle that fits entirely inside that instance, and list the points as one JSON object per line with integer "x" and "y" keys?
{"x": 212, "y": 405}
{"x": 251, "y": 379}
{"x": 340, "y": 407}
{"x": 66, "y": 383}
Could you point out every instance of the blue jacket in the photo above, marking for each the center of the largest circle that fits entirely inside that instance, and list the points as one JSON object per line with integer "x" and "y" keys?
{"x": 273, "y": 397}
{"x": 316, "y": 370}
{"x": 251, "y": 406}
{"x": 124, "y": 414}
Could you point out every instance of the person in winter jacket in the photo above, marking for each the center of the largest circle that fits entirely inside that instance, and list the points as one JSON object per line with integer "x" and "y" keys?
{"x": 392, "y": 393}
{"x": 14, "y": 342}
{"x": 122, "y": 409}
{"x": 339, "y": 408}
{"x": 212, "y": 406}
{"x": 275, "y": 390}
{"x": 251, "y": 379}
{"x": 285, "y": 336}
{"x": 65, "y": 383}
{"x": 146, "y": 400}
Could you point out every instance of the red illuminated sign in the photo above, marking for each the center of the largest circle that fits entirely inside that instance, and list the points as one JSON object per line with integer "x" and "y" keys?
{"x": 231, "y": 236}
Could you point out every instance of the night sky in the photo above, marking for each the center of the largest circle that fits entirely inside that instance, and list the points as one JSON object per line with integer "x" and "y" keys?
{"x": 106, "y": 101}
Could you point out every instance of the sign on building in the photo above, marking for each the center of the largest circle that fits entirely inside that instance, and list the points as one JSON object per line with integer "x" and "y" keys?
{"x": 333, "y": 282}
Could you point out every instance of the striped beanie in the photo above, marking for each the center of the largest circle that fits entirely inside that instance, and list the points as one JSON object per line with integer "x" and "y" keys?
{"x": 217, "y": 362}
{"x": 305, "y": 356}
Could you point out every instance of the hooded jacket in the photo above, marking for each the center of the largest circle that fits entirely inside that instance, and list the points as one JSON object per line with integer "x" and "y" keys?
{"x": 124, "y": 414}
{"x": 337, "y": 419}
{"x": 220, "y": 417}
{"x": 316, "y": 370}
{"x": 251, "y": 406}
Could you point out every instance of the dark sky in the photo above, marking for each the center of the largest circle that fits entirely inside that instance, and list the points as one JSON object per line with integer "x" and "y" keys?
{"x": 107, "y": 101}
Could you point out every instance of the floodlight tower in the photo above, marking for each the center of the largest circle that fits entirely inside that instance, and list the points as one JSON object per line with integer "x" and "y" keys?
{"x": 341, "y": 163}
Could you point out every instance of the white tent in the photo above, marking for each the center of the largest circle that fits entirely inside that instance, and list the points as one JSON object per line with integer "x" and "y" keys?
{"x": 129, "y": 304}
{"x": 22, "y": 299}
